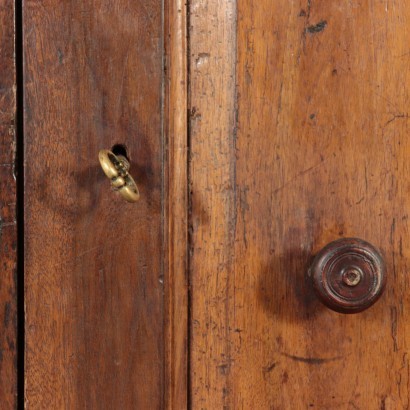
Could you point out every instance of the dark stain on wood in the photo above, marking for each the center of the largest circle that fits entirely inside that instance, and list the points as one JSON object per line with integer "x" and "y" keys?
{"x": 312, "y": 360}
{"x": 7, "y": 312}
{"x": 270, "y": 367}
{"x": 316, "y": 28}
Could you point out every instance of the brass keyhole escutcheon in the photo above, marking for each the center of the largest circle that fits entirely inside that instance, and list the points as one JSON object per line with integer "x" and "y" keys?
{"x": 116, "y": 168}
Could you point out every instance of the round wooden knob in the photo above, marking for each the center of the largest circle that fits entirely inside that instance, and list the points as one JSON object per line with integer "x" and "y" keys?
{"x": 348, "y": 275}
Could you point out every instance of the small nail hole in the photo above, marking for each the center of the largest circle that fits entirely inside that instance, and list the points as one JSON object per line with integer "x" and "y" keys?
{"x": 120, "y": 149}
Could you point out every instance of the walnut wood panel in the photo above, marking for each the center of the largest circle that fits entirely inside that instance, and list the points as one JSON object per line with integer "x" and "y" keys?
{"x": 8, "y": 226}
{"x": 301, "y": 142}
{"x": 93, "y": 76}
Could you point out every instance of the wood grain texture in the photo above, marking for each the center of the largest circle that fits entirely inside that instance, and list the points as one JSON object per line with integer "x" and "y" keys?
{"x": 8, "y": 226}
{"x": 212, "y": 198}
{"x": 94, "y": 288}
{"x": 319, "y": 151}
{"x": 176, "y": 128}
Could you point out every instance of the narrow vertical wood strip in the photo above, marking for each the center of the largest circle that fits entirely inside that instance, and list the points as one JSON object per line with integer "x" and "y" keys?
{"x": 212, "y": 198}
{"x": 177, "y": 205}
{"x": 8, "y": 225}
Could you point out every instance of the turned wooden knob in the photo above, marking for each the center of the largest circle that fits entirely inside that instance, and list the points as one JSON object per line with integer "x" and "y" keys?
{"x": 348, "y": 275}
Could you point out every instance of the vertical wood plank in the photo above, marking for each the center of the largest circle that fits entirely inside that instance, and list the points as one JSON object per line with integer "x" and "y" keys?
{"x": 212, "y": 61}
{"x": 93, "y": 77}
{"x": 176, "y": 128}
{"x": 322, "y": 130}
{"x": 8, "y": 226}
{"x": 321, "y": 152}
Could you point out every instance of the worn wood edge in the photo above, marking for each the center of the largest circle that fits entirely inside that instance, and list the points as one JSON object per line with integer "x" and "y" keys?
{"x": 213, "y": 195}
{"x": 8, "y": 210}
{"x": 176, "y": 205}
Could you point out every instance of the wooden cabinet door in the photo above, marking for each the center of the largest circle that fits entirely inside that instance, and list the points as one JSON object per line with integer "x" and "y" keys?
{"x": 97, "y": 275}
{"x": 299, "y": 115}
{"x": 258, "y": 132}
{"x": 93, "y": 289}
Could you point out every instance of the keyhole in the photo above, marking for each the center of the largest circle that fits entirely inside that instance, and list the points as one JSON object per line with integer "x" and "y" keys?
{"x": 120, "y": 150}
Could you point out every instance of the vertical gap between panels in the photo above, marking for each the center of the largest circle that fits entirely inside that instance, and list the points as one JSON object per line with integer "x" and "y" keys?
{"x": 19, "y": 167}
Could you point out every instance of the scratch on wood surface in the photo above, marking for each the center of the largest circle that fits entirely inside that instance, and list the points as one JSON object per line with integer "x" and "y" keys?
{"x": 121, "y": 87}
{"x": 266, "y": 370}
{"x": 393, "y": 318}
{"x": 269, "y": 367}
{"x": 300, "y": 174}
{"x": 312, "y": 360}
{"x": 395, "y": 117}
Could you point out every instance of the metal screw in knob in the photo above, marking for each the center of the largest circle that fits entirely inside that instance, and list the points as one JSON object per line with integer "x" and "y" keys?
{"x": 348, "y": 275}
{"x": 352, "y": 276}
